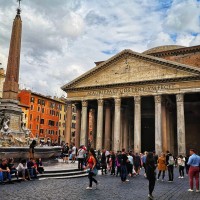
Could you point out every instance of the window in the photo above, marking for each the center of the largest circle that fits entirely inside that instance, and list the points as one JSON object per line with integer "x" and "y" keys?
{"x": 63, "y": 133}
{"x": 42, "y": 110}
{"x": 51, "y": 123}
{"x": 38, "y": 109}
{"x": 73, "y": 125}
{"x": 37, "y": 127}
{"x": 56, "y": 132}
{"x": 43, "y": 102}
{"x": 39, "y": 101}
{"x": 31, "y": 107}
{"x": 64, "y": 117}
{"x": 56, "y": 123}
{"x": 41, "y": 121}
{"x": 41, "y": 130}
{"x": 25, "y": 116}
{"x": 74, "y": 117}
{"x": 32, "y": 99}
{"x": 31, "y": 116}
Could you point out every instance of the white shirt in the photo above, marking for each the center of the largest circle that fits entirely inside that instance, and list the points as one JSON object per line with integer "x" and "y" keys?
{"x": 21, "y": 167}
{"x": 73, "y": 150}
{"x": 130, "y": 158}
{"x": 81, "y": 153}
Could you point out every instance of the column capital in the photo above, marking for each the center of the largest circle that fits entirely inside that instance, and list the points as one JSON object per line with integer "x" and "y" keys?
{"x": 84, "y": 103}
{"x": 137, "y": 99}
{"x": 180, "y": 97}
{"x": 158, "y": 98}
{"x": 117, "y": 101}
{"x": 100, "y": 102}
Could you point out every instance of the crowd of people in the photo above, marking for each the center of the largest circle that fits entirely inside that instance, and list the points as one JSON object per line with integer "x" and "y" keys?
{"x": 128, "y": 164}
{"x": 121, "y": 163}
{"x": 27, "y": 170}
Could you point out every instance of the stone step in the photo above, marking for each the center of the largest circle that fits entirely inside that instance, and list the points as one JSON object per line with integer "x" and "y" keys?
{"x": 60, "y": 173}
{"x": 60, "y": 170}
{"x": 64, "y": 177}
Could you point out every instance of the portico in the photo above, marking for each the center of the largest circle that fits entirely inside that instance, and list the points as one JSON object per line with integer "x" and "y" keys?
{"x": 139, "y": 101}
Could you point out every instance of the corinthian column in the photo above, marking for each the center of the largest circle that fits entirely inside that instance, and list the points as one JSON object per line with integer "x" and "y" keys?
{"x": 69, "y": 123}
{"x": 137, "y": 124}
{"x": 78, "y": 125}
{"x": 99, "y": 137}
{"x": 125, "y": 129}
{"x": 117, "y": 124}
{"x": 158, "y": 124}
{"x": 180, "y": 124}
{"x": 107, "y": 140}
{"x": 83, "y": 135}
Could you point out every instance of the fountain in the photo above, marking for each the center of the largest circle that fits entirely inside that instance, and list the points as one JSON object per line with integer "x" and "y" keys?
{"x": 14, "y": 137}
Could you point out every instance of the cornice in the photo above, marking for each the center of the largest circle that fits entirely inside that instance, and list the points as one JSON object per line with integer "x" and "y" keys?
{"x": 160, "y": 81}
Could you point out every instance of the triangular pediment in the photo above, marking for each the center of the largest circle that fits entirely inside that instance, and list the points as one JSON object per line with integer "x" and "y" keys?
{"x": 132, "y": 67}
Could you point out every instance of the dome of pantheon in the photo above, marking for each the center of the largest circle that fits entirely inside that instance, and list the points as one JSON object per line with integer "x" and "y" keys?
{"x": 162, "y": 48}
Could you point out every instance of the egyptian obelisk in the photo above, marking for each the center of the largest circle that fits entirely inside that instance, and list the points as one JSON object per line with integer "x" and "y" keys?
{"x": 9, "y": 103}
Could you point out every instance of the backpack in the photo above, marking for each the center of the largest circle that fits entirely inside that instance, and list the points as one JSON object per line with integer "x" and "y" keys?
{"x": 171, "y": 160}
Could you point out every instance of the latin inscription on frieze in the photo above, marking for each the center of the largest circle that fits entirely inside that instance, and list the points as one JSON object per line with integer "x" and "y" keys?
{"x": 131, "y": 90}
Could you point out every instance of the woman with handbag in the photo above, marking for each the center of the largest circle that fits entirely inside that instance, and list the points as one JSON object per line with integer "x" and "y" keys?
{"x": 91, "y": 166}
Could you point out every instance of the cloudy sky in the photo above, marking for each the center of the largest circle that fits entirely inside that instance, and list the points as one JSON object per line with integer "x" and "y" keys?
{"x": 62, "y": 39}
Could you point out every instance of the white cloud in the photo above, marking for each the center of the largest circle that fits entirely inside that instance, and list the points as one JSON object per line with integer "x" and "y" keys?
{"x": 62, "y": 39}
{"x": 183, "y": 16}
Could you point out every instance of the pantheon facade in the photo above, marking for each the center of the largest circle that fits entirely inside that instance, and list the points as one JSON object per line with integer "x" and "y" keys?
{"x": 139, "y": 101}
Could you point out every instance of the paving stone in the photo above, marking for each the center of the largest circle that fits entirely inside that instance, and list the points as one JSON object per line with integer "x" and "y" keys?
{"x": 109, "y": 188}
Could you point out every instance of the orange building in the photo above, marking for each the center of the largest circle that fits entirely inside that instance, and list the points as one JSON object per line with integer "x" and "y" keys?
{"x": 43, "y": 119}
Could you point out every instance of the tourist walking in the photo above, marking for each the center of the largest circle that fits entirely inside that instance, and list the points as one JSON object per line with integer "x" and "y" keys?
{"x": 91, "y": 166}
{"x": 194, "y": 162}
{"x": 130, "y": 164}
{"x": 186, "y": 165}
{"x": 144, "y": 162}
{"x": 161, "y": 166}
{"x": 73, "y": 153}
{"x": 65, "y": 152}
{"x": 123, "y": 162}
{"x": 181, "y": 166}
{"x": 103, "y": 162}
{"x": 170, "y": 166}
{"x": 113, "y": 158}
{"x": 118, "y": 163}
{"x": 137, "y": 164}
{"x": 32, "y": 149}
{"x": 80, "y": 156}
{"x": 150, "y": 172}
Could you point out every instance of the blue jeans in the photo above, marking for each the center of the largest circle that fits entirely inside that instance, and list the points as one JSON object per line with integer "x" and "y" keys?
{"x": 123, "y": 172}
{"x": 1, "y": 177}
{"x": 5, "y": 174}
{"x": 32, "y": 172}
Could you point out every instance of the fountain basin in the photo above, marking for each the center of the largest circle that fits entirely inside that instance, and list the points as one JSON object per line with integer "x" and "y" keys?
{"x": 23, "y": 152}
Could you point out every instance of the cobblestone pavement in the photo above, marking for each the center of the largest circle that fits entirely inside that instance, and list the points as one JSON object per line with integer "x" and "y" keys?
{"x": 109, "y": 188}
